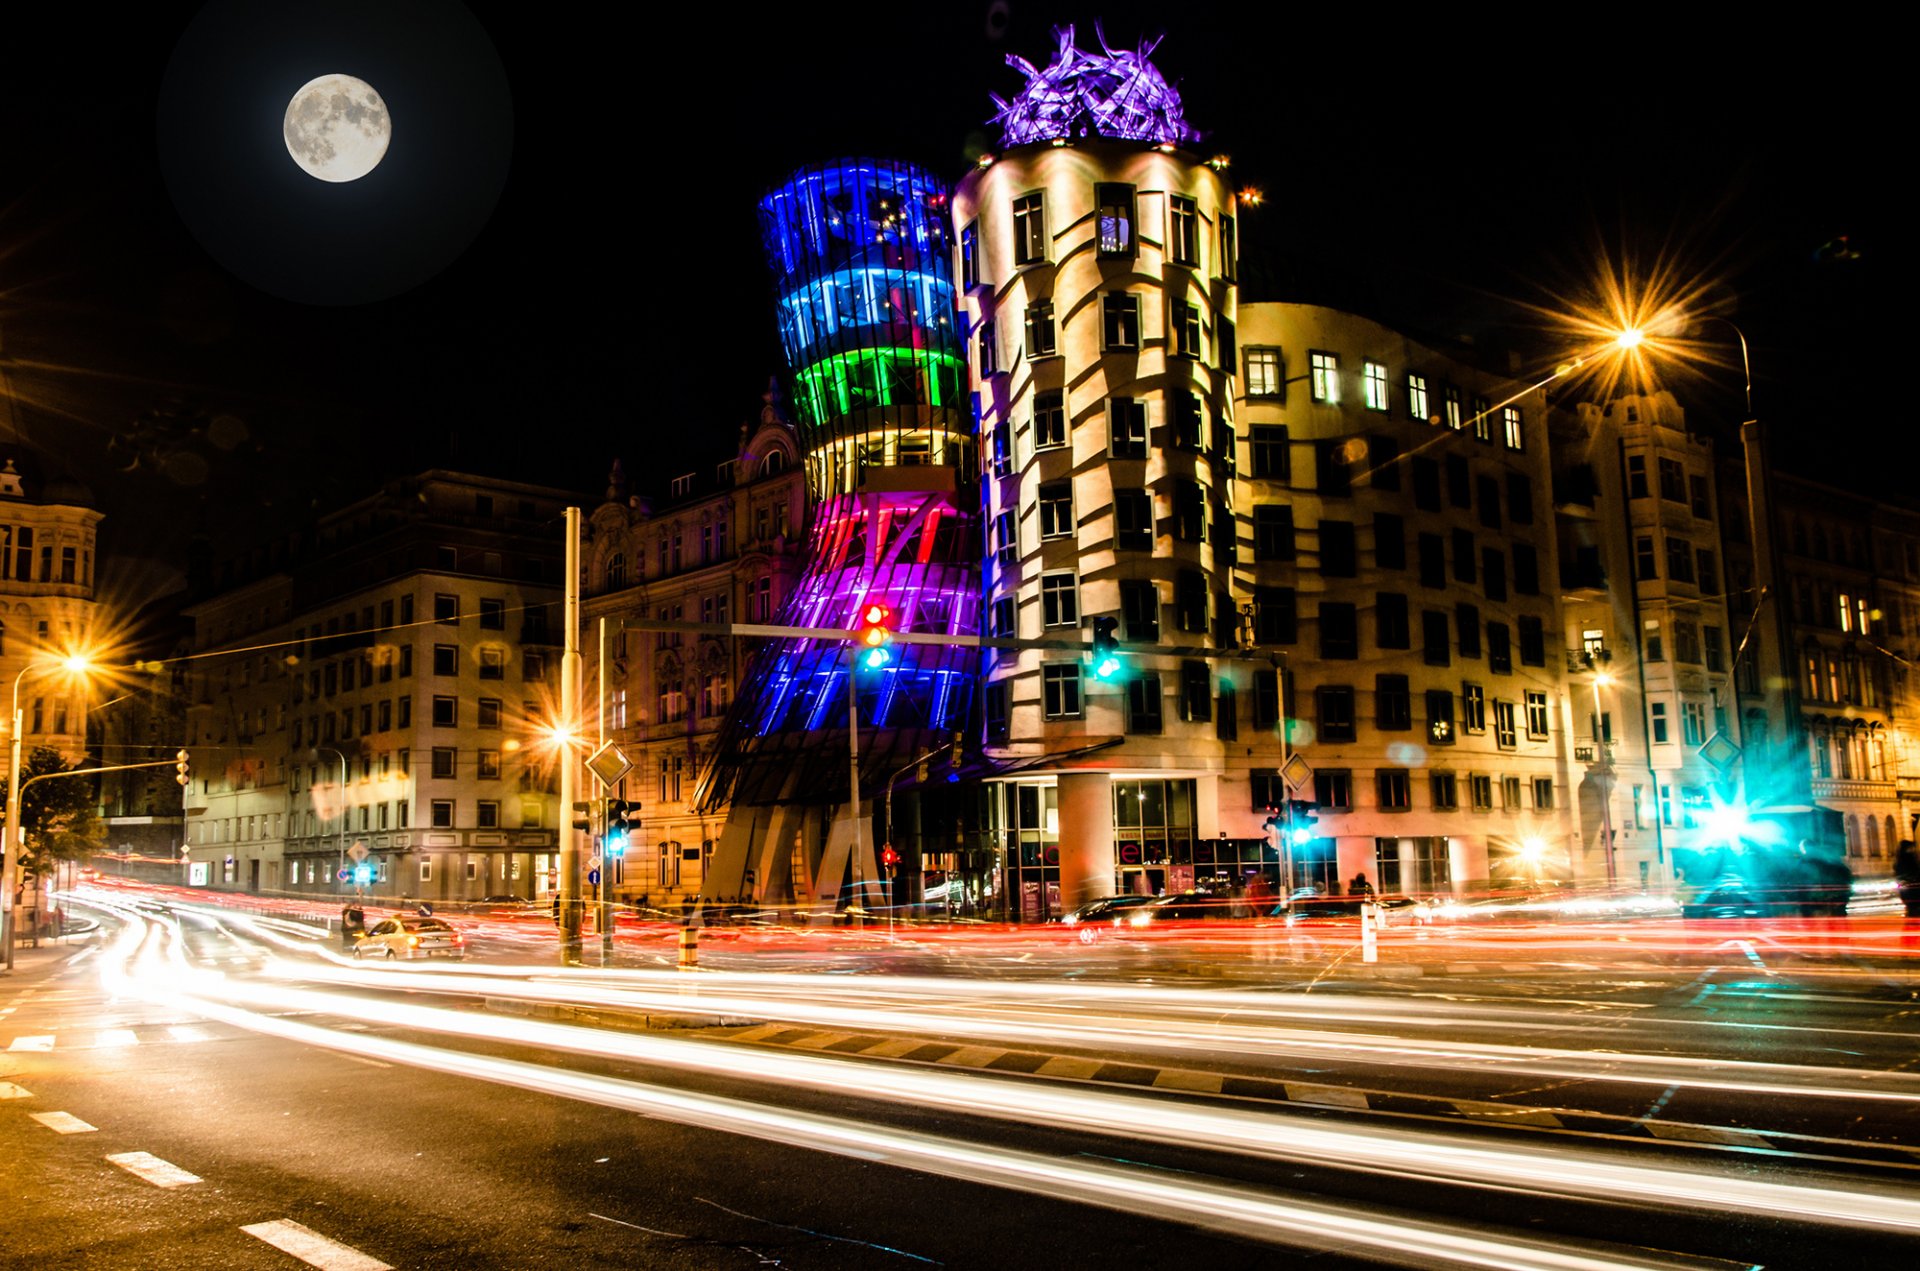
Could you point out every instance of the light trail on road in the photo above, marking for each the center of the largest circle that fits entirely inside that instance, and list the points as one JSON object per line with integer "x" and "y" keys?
{"x": 1574, "y": 1174}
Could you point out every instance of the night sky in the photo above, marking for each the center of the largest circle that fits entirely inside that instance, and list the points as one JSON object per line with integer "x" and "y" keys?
{"x": 563, "y": 257}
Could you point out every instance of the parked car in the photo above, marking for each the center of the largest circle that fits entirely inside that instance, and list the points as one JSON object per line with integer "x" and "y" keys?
{"x": 1188, "y": 906}
{"x": 1728, "y": 898}
{"x": 1329, "y": 908}
{"x": 1110, "y": 910}
{"x": 411, "y": 937}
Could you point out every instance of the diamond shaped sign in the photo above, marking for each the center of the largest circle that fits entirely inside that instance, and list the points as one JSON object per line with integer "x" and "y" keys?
{"x": 1719, "y": 751}
{"x": 609, "y": 765}
{"x": 1296, "y": 772}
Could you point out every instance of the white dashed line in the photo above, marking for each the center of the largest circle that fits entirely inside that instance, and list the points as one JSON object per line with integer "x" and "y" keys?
{"x": 10, "y": 1091}
{"x": 44, "y": 1042}
{"x": 820, "y": 1041}
{"x": 62, "y": 1122}
{"x": 110, "y": 1037}
{"x": 895, "y": 1047}
{"x": 362, "y": 1059}
{"x": 972, "y": 1057}
{"x": 1327, "y": 1096}
{"x": 1186, "y": 1079}
{"x": 1069, "y": 1066}
{"x": 1677, "y": 1133}
{"x": 188, "y": 1033}
{"x": 313, "y": 1248}
{"x": 150, "y": 1167}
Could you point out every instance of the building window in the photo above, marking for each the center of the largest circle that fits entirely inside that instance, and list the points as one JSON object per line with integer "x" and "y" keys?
{"x": 1482, "y": 420}
{"x": 1480, "y": 792}
{"x": 1196, "y": 692}
{"x": 1114, "y": 220}
{"x": 1325, "y": 377}
{"x": 1143, "y": 704}
{"x": 1188, "y": 411}
{"x": 1445, "y": 788}
{"x": 1133, "y": 519}
{"x": 1263, "y": 372}
{"x": 1673, "y": 481}
{"x": 1450, "y": 406}
{"x": 1275, "y": 616}
{"x": 1537, "y": 715}
{"x": 1333, "y": 790}
{"x": 1511, "y": 429}
{"x": 1698, "y": 497}
{"x": 1332, "y": 471}
{"x": 1394, "y": 789}
{"x": 1636, "y": 476}
{"x": 1679, "y": 559}
{"x": 1433, "y": 561}
{"x": 970, "y": 255}
{"x": 493, "y": 663}
{"x": 1190, "y": 600}
{"x": 1273, "y": 537}
{"x": 487, "y": 814}
{"x": 1709, "y": 578}
{"x": 1418, "y": 403}
{"x": 1336, "y": 712}
{"x": 1229, "y": 250}
{"x": 489, "y": 765}
{"x": 1127, "y": 427}
{"x": 1393, "y": 703}
{"x": 989, "y": 352}
{"x": 1437, "y": 648}
{"x": 1060, "y": 685}
{"x": 1339, "y": 555}
{"x": 1389, "y": 541}
{"x": 446, "y": 712}
{"x": 1439, "y": 717}
{"x": 446, "y": 659}
{"x": 1658, "y": 713}
{"x": 1339, "y": 638}
{"x": 1693, "y": 722}
{"x": 1714, "y": 648}
{"x": 1183, "y": 230}
{"x": 1189, "y": 510}
{"x": 1000, "y": 623}
{"x": 1686, "y": 641}
{"x": 406, "y": 713}
{"x": 999, "y": 710}
{"x": 1002, "y": 454}
{"x": 1272, "y": 458}
{"x": 1499, "y": 648}
{"x": 1373, "y": 385}
{"x": 1060, "y": 600}
{"x": 1183, "y": 329}
{"x": 1140, "y": 606}
{"x": 1505, "y": 731}
{"x": 1542, "y": 793}
{"x": 1533, "y": 640}
{"x": 1006, "y": 540}
{"x": 444, "y": 758}
{"x": 1473, "y": 708}
{"x": 442, "y": 812}
{"x": 1030, "y": 229}
{"x": 1120, "y": 321}
{"x": 1056, "y": 509}
{"x": 1392, "y": 630}
{"x": 1040, "y": 337}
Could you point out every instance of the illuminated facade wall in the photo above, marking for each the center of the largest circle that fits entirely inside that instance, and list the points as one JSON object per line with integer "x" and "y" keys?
{"x": 860, "y": 254}
{"x": 1098, "y": 289}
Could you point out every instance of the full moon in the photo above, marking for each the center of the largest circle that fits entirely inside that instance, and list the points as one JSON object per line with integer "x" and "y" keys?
{"x": 337, "y": 128}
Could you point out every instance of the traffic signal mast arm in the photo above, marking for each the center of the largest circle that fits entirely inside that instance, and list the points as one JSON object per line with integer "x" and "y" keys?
{"x": 88, "y": 772}
{"x": 1062, "y": 644}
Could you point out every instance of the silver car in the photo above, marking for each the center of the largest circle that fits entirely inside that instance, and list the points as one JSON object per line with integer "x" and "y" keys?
{"x": 409, "y": 937}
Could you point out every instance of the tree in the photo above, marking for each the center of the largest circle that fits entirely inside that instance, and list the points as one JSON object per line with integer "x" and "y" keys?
{"x": 61, "y": 820}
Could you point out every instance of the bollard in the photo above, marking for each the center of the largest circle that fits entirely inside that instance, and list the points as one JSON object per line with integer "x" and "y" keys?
{"x": 689, "y": 948}
{"x": 1369, "y": 940}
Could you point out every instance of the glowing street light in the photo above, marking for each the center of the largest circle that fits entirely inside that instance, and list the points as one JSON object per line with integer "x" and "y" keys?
{"x": 1630, "y": 338}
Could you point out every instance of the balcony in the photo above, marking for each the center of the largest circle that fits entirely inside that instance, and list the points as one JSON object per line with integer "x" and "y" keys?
{"x": 1837, "y": 788}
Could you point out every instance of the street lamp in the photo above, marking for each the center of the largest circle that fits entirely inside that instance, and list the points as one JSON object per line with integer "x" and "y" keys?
{"x": 1604, "y": 748}
{"x": 74, "y": 664}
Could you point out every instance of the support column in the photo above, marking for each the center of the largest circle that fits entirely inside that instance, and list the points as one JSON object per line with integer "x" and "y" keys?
{"x": 1086, "y": 837}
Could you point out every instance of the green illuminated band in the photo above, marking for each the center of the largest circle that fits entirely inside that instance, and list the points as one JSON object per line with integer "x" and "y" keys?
{"x": 878, "y": 377}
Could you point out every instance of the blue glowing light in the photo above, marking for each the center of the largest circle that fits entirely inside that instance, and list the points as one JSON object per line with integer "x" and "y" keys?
{"x": 1112, "y": 93}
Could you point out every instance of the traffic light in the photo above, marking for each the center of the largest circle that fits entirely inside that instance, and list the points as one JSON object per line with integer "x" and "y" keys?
{"x": 1106, "y": 649}
{"x": 1303, "y": 818}
{"x": 889, "y": 857}
{"x": 876, "y": 633}
{"x": 182, "y": 769}
{"x": 362, "y": 874}
{"x": 623, "y": 817}
{"x": 582, "y": 816}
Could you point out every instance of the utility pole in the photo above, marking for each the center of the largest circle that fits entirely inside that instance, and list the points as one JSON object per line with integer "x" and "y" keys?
{"x": 569, "y": 711}
{"x": 859, "y": 905}
{"x": 606, "y": 830}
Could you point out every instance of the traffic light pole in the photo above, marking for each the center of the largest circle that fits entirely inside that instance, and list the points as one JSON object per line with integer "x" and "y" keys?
{"x": 569, "y": 711}
{"x": 858, "y": 909}
{"x": 606, "y": 829}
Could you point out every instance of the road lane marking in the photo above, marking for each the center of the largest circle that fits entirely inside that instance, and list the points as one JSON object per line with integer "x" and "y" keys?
{"x": 819, "y": 1041}
{"x": 972, "y": 1056}
{"x": 313, "y": 1248}
{"x": 1510, "y": 1115}
{"x": 154, "y": 1170}
{"x": 1680, "y": 1133}
{"x": 895, "y": 1047}
{"x": 110, "y": 1037}
{"x": 62, "y": 1122}
{"x": 44, "y": 1042}
{"x": 362, "y": 1059}
{"x": 1187, "y": 1079}
{"x": 1070, "y": 1066}
{"x": 10, "y": 1091}
{"x": 756, "y": 1034}
{"x": 188, "y": 1033}
{"x": 1327, "y": 1096}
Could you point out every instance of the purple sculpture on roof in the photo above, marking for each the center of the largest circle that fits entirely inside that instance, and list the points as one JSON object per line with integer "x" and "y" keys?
{"x": 1118, "y": 94}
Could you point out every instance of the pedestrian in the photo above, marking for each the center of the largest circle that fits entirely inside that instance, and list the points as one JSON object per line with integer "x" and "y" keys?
{"x": 353, "y": 924}
{"x": 1360, "y": 886}
{"x": 1906, "y": 877}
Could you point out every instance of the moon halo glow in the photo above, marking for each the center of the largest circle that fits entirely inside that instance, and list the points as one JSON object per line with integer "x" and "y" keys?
{"x": 337, "y": 128}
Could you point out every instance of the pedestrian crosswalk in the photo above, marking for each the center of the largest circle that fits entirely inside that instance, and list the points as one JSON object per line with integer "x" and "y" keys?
{"x": 121, "y": 1038}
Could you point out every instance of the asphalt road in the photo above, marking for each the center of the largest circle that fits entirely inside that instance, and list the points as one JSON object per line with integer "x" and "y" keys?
{"x": 389, "y": 1138}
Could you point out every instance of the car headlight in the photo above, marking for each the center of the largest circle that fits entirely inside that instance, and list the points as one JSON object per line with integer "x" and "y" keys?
{"x": 1140, "y": 919}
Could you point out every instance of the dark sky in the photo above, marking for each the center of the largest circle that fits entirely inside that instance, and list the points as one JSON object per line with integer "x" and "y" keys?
{"x": 612, "y": 301}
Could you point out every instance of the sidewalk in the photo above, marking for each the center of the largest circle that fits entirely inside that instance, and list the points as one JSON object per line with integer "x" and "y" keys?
{"x": 33, "y": 966}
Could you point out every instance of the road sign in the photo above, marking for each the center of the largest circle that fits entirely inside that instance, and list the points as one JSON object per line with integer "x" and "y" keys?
{"x": 1583, "y": 754}
{"x": 609, "y": 765}
{"x": 1296, "y": 771}
{"x": 346, "y": 875}
{"x": 358, "y": 851}
{"x": 1719, "y": 751}
{"x": 593, "y": 862}
{"x": 593, "y": 878}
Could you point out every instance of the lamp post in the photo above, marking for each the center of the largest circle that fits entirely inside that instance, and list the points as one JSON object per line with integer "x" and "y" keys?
{"x": 1603, "y": 747}
{"x": 318, "y": 750}
{"x": 77, "y": 664}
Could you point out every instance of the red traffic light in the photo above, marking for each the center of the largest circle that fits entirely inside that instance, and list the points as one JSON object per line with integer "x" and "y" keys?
{"x": 875, "y": 613}
{"x": 889, "y": 857}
